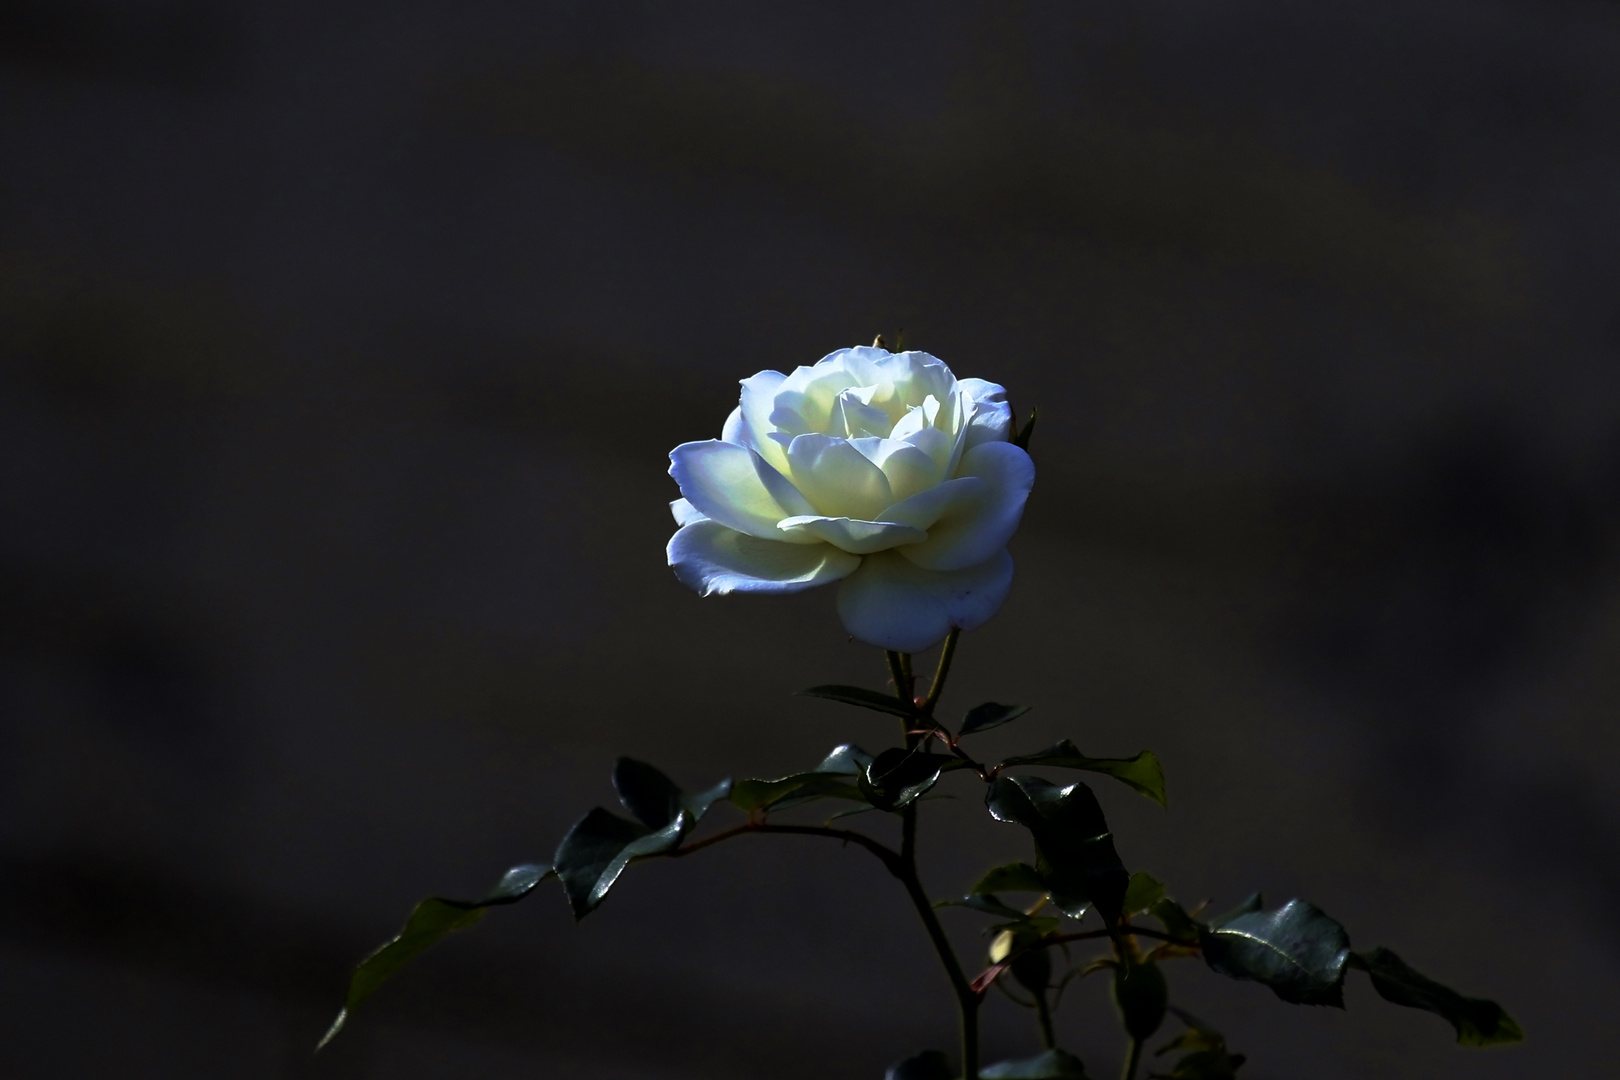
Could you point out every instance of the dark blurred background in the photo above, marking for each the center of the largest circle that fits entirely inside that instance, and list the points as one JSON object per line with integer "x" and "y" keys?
{"x": 343, "y": 344}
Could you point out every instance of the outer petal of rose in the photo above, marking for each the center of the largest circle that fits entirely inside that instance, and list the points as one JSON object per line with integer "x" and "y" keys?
{"x": 894, "y": 604}
{"x": 855, "y": 537}
{"x": 758, "y": 399}
{"x": 734, "y": 430}
{"x": 710, "y": 558}
{"x": 726, "y": 482}
{"x": 982, "y": 389}
{"x": 837, "y": 479}
{"x": 991, "y": 422}
{"x": 970, "y": 530}
{"x": 685, "y": 513}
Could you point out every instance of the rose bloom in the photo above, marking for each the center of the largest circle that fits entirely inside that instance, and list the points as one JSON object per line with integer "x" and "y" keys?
{"x": 881, "y": 471}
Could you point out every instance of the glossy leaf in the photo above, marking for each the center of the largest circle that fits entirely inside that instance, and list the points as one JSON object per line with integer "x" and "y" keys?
{"x": 429, "y": 921}
{"x": 898, "y": 777}
{"x": 1253, "y": 902}
{"x": 1075, "y": 851}
{"x": 1142, "y": 892}
{"x": 859, "y": 695}
{"x": 699, "y": 804}
{"x": 1010, "y": 877}
{"x": 596, "y": 850}
{"x": 845, "y": 760}
{"x": 823, "y": 787}
{"x": 1296, "y": 950}
{"x": 990, "y": 715}
{"x": 928, "y": 1065}
{"x": 1141, "y": 773}
{"x": 1478, "y": 1022}
{"x": 650, "y": 796}
{"x": 988, "y": 904}
{"x": 1052, "y": 1065}
{"x": 1141, "y": 996}
{"x": 1175, "y": 919}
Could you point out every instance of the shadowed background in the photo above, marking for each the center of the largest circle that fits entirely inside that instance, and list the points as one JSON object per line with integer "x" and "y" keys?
{"x": 343, "y": 344}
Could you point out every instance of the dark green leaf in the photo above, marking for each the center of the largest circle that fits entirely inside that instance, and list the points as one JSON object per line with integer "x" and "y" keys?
{"x": 1175, "y": 919}
{"x": 866, "y": 699}
{"x": 986, "y": 903}
{"x": 898, "y": 777}
{"x": 429, "y": 921}
{"x": 1012, "y": 877}
{"x": 845, "y": 760}
{"x": 1052, "y": 1065}
{"x": 650, "y": 796}
{"x": 990, "y": 715}
{"x": 1142, "y": 773}
{"x": 751, "y": 795}
{"x": 928, "y": 1065}
{"x": 1296, "y": 950}
{"x": 1141, "y": 996}
{"x": 1021, "y": 440}
{"x": 821, "y": 782}
{"x": 1142, "y": 892}
{"x": 699, "y": 804}
{"x": 1478, "y": 1022}
{"x": 822, "y": 787}
{"x": 1254, "y": 902}
{"x": 588, "y": 850}
{"x": 1075, "y": 851}
{"x": 600, "y": 845}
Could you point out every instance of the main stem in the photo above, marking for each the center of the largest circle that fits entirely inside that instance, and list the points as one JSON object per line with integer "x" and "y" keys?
{"x": 967, "y": 999}
{"x": 1132, "y": 1059}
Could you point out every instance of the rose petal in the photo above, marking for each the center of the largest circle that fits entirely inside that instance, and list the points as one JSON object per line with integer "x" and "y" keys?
{"x": 685, "y": 513}
{"x": 927, "y": 507}
{"x": 734, "y": 430}
{"x": 758, "y": 399}
{"x": 710, "y": 558}
{"x": 982, "y": 390}
{"x": 734, "y": 486}
{"x": 910, "y": 468}
{"x": 970, "y": 530}
{"x": 855, "y": 537}
{"x": 992, "y": 422}
{"x": 894, "y": 604}
{"x": 836, "y": 478}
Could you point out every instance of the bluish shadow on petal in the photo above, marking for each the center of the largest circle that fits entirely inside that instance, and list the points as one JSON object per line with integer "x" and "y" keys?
{"x": 710, "y": 558}
{"x": 892, "y": 603}
{"x": 970, "y": 530}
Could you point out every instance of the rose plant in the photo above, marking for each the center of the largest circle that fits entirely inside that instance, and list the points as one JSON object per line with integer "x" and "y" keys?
{"x": 886, "y": 474}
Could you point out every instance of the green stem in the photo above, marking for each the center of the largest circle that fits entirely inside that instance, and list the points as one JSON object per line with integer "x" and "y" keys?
{"x": 1133, "y": 1059}
{"x": 1044, "y": 1011}
{"x": 967, "y": 999}
{"x": 900, "y": 675}
{"x": 937, "y": 687}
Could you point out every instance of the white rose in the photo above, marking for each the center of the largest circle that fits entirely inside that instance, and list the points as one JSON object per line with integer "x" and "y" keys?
{"x": 879, "y": 470}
